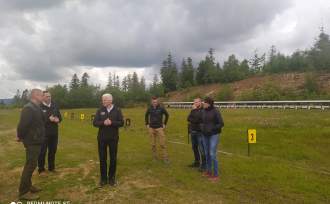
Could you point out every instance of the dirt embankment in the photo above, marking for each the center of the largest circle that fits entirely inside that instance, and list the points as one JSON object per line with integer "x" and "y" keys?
{"x": 293, "y": 81}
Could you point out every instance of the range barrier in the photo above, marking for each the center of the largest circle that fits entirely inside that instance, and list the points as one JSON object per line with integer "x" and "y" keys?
{"x": 88, "y": 118}
{"x": 310, "y": 104}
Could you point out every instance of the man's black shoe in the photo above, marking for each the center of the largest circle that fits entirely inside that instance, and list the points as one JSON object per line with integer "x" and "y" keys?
{"x": 103, "y": 183}
{"x": 194, "y": 165}
{"x": 112, "y": 182}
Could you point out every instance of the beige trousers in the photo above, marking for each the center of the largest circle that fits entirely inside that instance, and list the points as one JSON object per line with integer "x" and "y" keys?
{"x": 157, "y": 134}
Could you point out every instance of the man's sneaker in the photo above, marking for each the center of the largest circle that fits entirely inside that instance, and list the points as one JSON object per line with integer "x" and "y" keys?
{"x": 206, "y": 174}
{"x": 53, "y": 171}
{"x": 35, "y": 189}
{"x": 214, "y": 178}
{"x": 112, "y": 182}
{"x": 42, "y": 173}
{"x": 194, "y": 165}
{"x": 29, "y": 196}
{"x": 102, "y": 183}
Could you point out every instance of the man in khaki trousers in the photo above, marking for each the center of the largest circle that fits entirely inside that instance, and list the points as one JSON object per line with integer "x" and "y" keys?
{"x": 156, "y": 125}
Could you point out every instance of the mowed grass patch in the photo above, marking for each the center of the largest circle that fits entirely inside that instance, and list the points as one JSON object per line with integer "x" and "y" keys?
{"x": 289, "y": 163}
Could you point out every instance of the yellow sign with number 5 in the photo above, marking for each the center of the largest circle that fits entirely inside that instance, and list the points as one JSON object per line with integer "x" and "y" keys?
{"x": 252, "y": 136}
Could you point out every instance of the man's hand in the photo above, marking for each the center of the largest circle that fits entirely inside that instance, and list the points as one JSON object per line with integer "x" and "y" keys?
{"x": 107, "y": 122}
{"x": 51, "y": 118}
{"x": 194, "y": 107}
{"x": 147, "y": 126}
{"x": 164, "y": 126}
{"x": 18, "y": 139}
{"x": 56, "y": 120}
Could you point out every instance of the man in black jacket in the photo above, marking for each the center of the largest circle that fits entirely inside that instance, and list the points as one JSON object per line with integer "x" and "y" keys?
{"x": 53, "y": 118}
{"x": 156, "y": 125}
{"x": 31, "y": 131}
{"x": 195, "y": 120}
{"x": 108, "y": 119}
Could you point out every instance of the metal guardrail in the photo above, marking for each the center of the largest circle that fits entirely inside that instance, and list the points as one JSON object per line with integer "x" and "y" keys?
{"x": 310, "y": 104}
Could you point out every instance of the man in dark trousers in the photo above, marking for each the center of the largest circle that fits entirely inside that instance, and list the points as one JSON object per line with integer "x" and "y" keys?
{"x": 53, "y": 118}
{"x": 156, "y": 125}
{"x": 195, "y": 120}
{"x": 108, "y": 119}
{"x": 31, "y": 131}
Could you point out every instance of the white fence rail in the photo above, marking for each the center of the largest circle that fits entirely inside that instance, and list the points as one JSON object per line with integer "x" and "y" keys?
{"x": 316, "y": 104}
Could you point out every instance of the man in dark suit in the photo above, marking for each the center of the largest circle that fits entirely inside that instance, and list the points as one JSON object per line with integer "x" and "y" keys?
{"x": 53, "y": 118}
{"x": 108, "y": 119}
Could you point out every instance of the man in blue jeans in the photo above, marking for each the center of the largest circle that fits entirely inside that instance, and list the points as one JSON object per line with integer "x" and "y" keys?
{"x": 212, "y": 124}
{"x": 195, "y": 119}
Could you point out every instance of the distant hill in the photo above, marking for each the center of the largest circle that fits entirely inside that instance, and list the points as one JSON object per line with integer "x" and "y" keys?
{"x": 293, "y": 82}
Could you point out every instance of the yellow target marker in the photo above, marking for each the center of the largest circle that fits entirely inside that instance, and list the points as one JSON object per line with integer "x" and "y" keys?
{"x": 66, "y": 115}
{"x": 252, "y": 136}
{"x": 82, "y": 116}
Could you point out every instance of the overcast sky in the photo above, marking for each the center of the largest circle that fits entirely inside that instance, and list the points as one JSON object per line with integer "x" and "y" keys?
{"x": 43, "y": 42}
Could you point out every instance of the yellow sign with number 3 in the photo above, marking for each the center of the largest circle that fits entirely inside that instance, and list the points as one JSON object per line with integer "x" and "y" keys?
{"x": 252, "y": 136}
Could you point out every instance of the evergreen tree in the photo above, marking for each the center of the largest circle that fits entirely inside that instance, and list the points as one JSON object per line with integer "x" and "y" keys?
{"x": 187, "y": 73}
{"x": 169, "y": 74}
{"x": 207, "y": 71}
{"x": 320, "y": 53}
{"x": 257, "y": 62}
{"x": 84, "y": 80}
{"x": 75, "y": 83}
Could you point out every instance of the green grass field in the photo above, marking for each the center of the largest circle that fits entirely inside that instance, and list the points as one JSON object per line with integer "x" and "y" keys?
{"x": 289, "y": 164}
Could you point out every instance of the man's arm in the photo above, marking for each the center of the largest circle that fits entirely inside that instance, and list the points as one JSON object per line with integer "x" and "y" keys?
{"x": 24, "y": 122}
{"x": 166, "y": 116}
{"x": 219, "y": 120}
{"x": 97, "y": 122}
{"x": 119, "y": 122}
{"x": 146, "y": 117}
{"x": 59, "y": 114}
{"x": 189, "y": 118}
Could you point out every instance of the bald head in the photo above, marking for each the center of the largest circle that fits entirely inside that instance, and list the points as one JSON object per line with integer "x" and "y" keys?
{"x": 36, "y": 96}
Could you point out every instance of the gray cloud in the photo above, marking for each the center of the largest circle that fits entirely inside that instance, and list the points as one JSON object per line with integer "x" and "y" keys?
{"x": 43, "y": 38}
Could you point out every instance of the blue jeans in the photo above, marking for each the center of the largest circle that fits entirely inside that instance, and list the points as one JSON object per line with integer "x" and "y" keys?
{"x": 211, "y": 144}
{"x": 198, "y": 148}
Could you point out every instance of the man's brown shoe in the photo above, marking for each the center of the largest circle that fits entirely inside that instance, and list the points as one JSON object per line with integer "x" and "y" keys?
{"x": 29, "y": 196}
{"x": 35, "y": 189}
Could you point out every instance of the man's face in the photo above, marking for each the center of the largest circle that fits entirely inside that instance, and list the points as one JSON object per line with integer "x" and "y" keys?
{"x": 47, "y": 98}
{"x": 38, "y": 96}
{"x": 206, "y": 105}
{"x": 197, "y": 103}
{"x": 154, "y": 102}
{"x": 106, "y": 101}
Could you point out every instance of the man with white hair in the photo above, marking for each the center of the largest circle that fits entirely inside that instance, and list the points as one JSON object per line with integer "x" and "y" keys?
{"x": 108, "y": 119}
{"x": 31, "y": 131}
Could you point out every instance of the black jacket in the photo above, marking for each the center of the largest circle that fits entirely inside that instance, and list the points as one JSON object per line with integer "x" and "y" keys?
{"x": 31, "y": 126}
{"x": 108, "y": 132}
{"x": 154, "y": 117}
{"x": 212, "y": 122}
{"x": 51, "y": 127}
{"x": 195, "y": 120}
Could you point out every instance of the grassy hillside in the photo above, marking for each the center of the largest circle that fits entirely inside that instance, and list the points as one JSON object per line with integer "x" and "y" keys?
{"x": 291, "y": 84}
{"x": 289, "y": 164}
